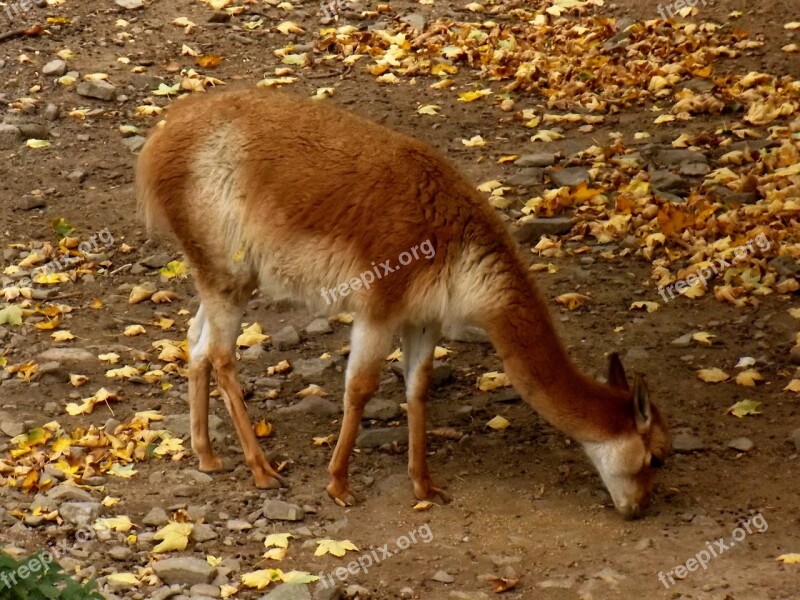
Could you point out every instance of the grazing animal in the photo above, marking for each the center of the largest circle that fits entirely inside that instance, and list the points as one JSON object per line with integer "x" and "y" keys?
{"x": 297, "y": 197}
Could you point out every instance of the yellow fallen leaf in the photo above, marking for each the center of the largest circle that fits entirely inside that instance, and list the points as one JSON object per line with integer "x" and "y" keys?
{"x": 49, "y": 324}
{"x": 174, "y": 536}
{"x": 334, "y": 547}
{"x": 429, "y": 109}
{"x": 744, "y": 408}
{"x": 288, "y": 27}
{"x": 275, "y": 554}
{"x": 312, "y": 390}
{"x": 648, "y": 306}
{"x": 134, "y": 330}
{"x": 474, "y": 95}
{"x": 261, "y": 579}
{"x": 794, "y": 386}
{"x": 78, "y": 380}
{"x": 423, "y": 505}
{"x": 174, "y": 268}
{"x": 119, "y": 523}
{"x": 123, "y": 579}
{"x": 474, "y": 142}
{"x": 714, "y": 375}
{"x": 440, "y": 352}
{"x": 164, "y": 296}
{"x": 277, "y": 540}
{"x": 749, "y": 378}
{"x": 703, "y": 337}
{"x": 140, "y": 293}
{"x": 498, "y": 423}
{"x": 34, "y": 143}
{"x": 571, "y": 300}
{"x": 110, "y": 501}
{"x": 493, "y": 380}
{"x": 792, "y": 558}
{"x": 263, "y": 428}
{"x": 251, "y": 336}
{"x": 111, "y": 357}
{"x": 227, "y": 590}
{"x": 321, "y": 441}
{"x": 122, "y": 373}
{"x": 62, "y": 336}
{"x": 299, "y": 577}
{"x": 214, "y": 561}
{"x": 546, "y": 135}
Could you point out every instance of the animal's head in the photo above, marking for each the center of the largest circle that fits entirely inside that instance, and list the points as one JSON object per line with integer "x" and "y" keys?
{"x": 626, "y": 461}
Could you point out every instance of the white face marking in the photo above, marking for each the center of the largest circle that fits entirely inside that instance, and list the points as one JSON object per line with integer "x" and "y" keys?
{"x": 619, "y": 462}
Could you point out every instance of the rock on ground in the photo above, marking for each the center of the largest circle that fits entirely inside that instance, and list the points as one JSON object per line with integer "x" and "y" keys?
{"x": 184, "y": 570}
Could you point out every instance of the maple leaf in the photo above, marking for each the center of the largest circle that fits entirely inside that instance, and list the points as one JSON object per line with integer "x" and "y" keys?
{"x": 714, "y": 375}
{"x": 492, "y": 380}
{"x": 278, "y": 540}
{"x": 251, "y": 336}
{"x": 174, "y": 536}
{"x": 261, "y": 579}
{"x": 498, "y": 423}
{"x": 744, "y": 408}
{"x": 334, "y": 547}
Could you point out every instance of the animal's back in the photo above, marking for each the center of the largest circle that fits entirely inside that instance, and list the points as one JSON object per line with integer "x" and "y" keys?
{"x": 302, "y": 195}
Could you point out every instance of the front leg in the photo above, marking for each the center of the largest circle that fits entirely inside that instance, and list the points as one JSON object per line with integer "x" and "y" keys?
{"x": 418, "y": 346}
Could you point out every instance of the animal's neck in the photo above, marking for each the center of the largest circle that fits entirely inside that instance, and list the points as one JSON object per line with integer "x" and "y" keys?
{"x": 522, "y": 332}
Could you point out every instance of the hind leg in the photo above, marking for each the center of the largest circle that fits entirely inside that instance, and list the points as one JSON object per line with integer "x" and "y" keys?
{"x": 370, "y": 343}
{"x": 199, "y": 383}
{"x": 418, "y": 346}
{"x": 223, "y": 318}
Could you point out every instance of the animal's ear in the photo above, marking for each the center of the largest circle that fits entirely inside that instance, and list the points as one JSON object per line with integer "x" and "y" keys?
{"x": 641, "y": 404}
{"x": 616, "y": 372}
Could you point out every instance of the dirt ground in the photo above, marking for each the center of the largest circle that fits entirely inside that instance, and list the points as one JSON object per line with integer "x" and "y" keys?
{"x": 526, "y": 504}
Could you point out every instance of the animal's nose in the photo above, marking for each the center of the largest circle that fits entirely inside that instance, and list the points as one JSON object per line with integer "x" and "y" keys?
{"x": 631, "y": 511}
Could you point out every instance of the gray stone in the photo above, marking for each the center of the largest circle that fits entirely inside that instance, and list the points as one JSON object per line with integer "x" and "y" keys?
{"x": 467, "y": 333}
{"x": 69, "y": 492}
{"x": 77, "y": 175}
{"x": 312, "y": 405}
{"x": 569, "y": 176}
{"x": 443, "y": 577}
{"x": 795, "y": 437}
{"x": 540, "y": 159}
{"x": 332, "y": 592}
{"x": 134, "y": 143}
{"x": 527, "y": 177}
{"x": 129, "y": 4}
{"x": 203, "y": 532}
{"x": 382, "y": 409}
{"x": 33, "y": 130}
{"x": 319, "y": 326}
{"x": 459, "y": 595}
{"x": 441, "y": 374}
{"x": 120, "y": 553}
{"x": 253, "y": 353}
{"x": 667, "y": 181}
{"x": 238, "y": 525}
{"x": 677, "y": 156}
{"x": 67, "y": 355}
{"x": 206, "y": 590}
{"x": 694, "y": 169}
{"x": 285, "y": 338}
{"x": 635, "y": 353}
{"x": 156, "y": 517}
{"x": 685, "y": 442}
{"x": 683, "y": 341}
{"x": 728, "y": 196}
{"x": 10, "y": 136}
{"x": 785, "y": 266}
{"x": 55, "y": 67}
{"x": 311, "y": 368}
{"x": 179, "y": 425}
{"x": 99, "y": 90}
{"x": 416, "y": 20}
{"x": 742, "y": 444}
{"x": 156, "y": 261}
{"x": 184, "y": 570}
{"x": 52, "y": 112}
{"x": 80, "y": 513}
{"x": 278, "y": 510}
{"x": 30, "y": 202}
{"x": 289, "y": 591}
{"x": 530, "y": 229}
{"x": 562, "y": 583}
{"x": 375, "y": 438}
{"x": 12, "y": 428}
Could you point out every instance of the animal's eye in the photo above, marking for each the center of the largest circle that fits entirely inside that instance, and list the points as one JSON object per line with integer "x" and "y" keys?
{"x": 656, "y": 462}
